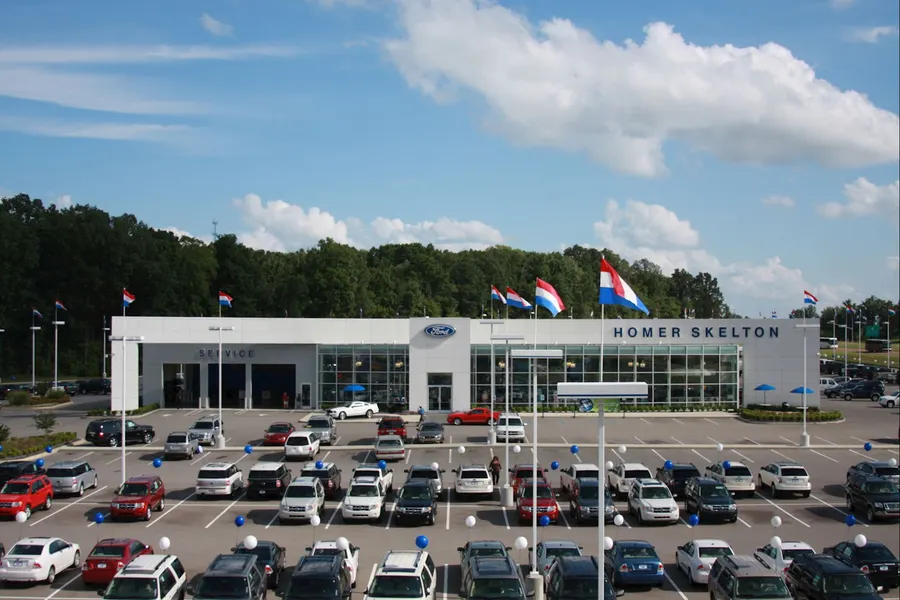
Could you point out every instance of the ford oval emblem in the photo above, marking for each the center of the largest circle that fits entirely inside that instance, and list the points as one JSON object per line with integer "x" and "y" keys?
{"x": 440, "y": 330}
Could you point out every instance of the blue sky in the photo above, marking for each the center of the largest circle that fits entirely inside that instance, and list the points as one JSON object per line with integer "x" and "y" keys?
{"x": 758, "y": 140}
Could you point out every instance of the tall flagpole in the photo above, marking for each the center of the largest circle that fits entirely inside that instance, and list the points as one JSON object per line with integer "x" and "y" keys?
{"x": 34, "y": 329}
{"x": 124, "y": 375}
{"x": 847, "y": 327}
{"x": 889, "y": 342}
{"x": 601, "y": 443}
{"x": 220, "y": 441}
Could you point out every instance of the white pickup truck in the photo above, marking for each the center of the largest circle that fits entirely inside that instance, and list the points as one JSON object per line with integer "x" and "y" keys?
{"x": 330, "y": 548}
{"x": 386, "y": 475}
{"x": 621, "y": 476}
{"x": 568, "y": 475}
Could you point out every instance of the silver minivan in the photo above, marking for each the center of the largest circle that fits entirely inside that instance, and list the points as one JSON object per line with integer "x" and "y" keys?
{"x": 72, "y": 477}
{"x": 181, "y": 443}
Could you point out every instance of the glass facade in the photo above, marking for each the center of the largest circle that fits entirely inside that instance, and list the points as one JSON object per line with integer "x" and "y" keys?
{"x": 676, "y": 375}
{"x": 379, "y": 374}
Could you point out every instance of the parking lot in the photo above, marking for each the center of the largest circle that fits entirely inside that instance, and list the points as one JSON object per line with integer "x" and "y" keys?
{"x": 200, "y": 529}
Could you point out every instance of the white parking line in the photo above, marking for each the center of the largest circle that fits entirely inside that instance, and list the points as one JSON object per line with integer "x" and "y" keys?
{"x": 505, "y": 517}
{"x": 167, "y": 415}
{"x": 744, "y": 456}
{"x": 824, "y": 456}
{"x": 753, "y": 442}
{"x": 117, "y": 459}
{"x": 619, "y": 456}
{"x": 408, "y": 455}
{"x": 168, "y": 512}
{"x": 391, "y": 515}
{"x": 273, "y": 519}
{"x": 835, "y": 508}
{"x": 675, "y": 587}
{"x": 194, "y": 412}
{"x": 860, "y": 454}
{"x": 448, "y": 512}
{"x": 677, "y": 421}
{"x": 710, "y": 420}
{"x": 563, "y": 516}
{"x": 782, "y": 455}
{"x": 201, "y": 456}
{"x": 677, "y": 441}
{"x": 224, "y": 510}
{"x": 659, "y": 455}
{"x": 639, "y": 441}
{"x": 805, "y": 524}
{"x": 72, "y": 579}
{"x": 791, "y": 442}
{"x": 67, "y": 505}
{"x": 565, "y": 441}
{"x": 645, "y": 420}
{"x": 82, "y": 456}
{"x": 826, "y": 441}
{"x": 859, "y": 439}
{"x": 700, "y": 455}
{"x": 333, "y": 515}
{"x": 446, "y": 581}
{"x": 745, "y": 522}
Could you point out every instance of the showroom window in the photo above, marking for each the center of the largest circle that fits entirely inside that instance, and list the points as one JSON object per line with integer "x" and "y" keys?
{"x": 370, "y": 373}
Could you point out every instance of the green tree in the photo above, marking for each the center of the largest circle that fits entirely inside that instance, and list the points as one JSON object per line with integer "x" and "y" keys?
{"x": 46, "y": 422}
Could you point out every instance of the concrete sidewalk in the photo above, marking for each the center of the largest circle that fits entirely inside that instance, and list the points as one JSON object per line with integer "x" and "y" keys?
{"x": 442, "y": 417}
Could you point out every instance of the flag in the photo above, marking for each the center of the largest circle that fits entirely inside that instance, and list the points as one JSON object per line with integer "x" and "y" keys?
{"x": 36, "y": 313}
{"x": 774, "y": 314}
{"x": 59, "y": 306}
{"x": 225, "y": 299}
{"x": 892, "y": 312}
{"x": 515, "y": 300}
{"x": 496, "y": 295}
{"x": 809, "y": 298}
{"x": 546, "y": 296}
{"x": 127, "y": 298}
{"x": 614, "y": 290}
{"x": 848, "y": 308}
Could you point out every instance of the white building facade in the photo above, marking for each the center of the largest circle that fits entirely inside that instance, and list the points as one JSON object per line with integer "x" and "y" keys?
{"x": 445, "y": 364}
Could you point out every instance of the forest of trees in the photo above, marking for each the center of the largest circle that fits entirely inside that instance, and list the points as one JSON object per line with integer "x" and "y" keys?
{"x": 84, "y": 257}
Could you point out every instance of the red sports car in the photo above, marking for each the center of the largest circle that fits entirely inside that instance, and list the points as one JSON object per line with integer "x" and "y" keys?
{"x": 277, "y": 434}
{"x": 476, "y": 416}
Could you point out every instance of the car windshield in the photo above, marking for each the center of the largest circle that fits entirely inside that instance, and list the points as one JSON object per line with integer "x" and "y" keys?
{"x": 60, "y": 472}
{"x": 177, "y": 439}
{"x": 681, "y": 474}
{"x": 850, "y": 583}
{"x": 543, "y": 491}
{"x": 638, "y": 474}
{"x": 526, "y": 473}
{"x": 282, "y": 427}
{"x": 300, "y": 491}
{"x": 431, "y": 428}
{"x": 794, "y": 472}
{"x": 876, "y": 553}
{"x": 203, "y": 425}
{"x": 212, "y": 474}
{"x": 714, "y": 491}
{"x": 415, "y": 492}
{"x": 26, "y": 550}
{"x": 423, "y": 474}
{"x": 263, "y": 474}
{"x": 15, "y": 489}
{"x": 133, "y": 489}
{"x": 108, "y": 551}
{"x": 511, "y": 422}
{"x": 761, "y": 587}
{"x": 488, "y": 589}
{"x": 316, "y": 588}
{"x": 713, "y": 552}
{"x": 393, "y": 586}
{"x": 487, "y": 551}
{"x": 887, "y": 471}
{"x": 793, "y": 553}
{"x": 881, "y": 487}
{"x": 656, "y": 492}
{"x": 563, "y": 551}
{"x": 638, "y": 552}
{"x": 738, "y": 471}
{"x": 388, "y": 443}
{"x": 298, "y": 440}
{"x": 589, "y": 492}
{"x": 317, "y": 424}
{"x": 473, "y": 474}
{"x": 391, "y": 425}
{"x": 363, "y": 491}
{"x": 218, "y": 586}
{"x": 580, "y": 587}
{"x": 132, "y": 588}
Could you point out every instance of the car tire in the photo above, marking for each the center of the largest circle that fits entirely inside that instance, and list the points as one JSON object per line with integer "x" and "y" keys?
{"x": 48, "y": 503}
{"x": 870, "y": 514}
{"x": 890, "y": 404}
{"x": 81, "y": 489}
{"x": 369, "y": 414}
{"x": 148, "y": 514}
{"x": 96, "y": 482}
{"x": 875, "y": 397}
{"x": 848, "y": 397}
{"x": 848, "y": 503}
{"x": 76, "y": 561}
{"x": 341, "y": 416}
{"x": 51, "y": 576}
{"x": 147, "y": 438}
{"x": 113, "y": 442}
{"x": 457, "y": 421}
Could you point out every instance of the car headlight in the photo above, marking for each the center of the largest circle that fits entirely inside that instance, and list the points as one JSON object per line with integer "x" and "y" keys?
{"x": 879, "y": 505}
{"x": 607, "y": 510}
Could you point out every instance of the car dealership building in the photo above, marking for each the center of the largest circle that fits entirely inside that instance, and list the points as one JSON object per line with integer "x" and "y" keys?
{"x": 445, "y": 364}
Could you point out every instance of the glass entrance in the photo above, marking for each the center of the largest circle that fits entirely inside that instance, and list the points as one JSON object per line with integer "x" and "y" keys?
{"x": 440, "y": 392}
{"x": 305, "y": 395}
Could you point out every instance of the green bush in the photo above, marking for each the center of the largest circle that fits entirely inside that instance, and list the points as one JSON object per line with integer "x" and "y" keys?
{"x": 39, "y": 401}
{"x": 18, "y": 447}
{"x": 795, "y": 416}
{"x": 105, "y": 412}
{"x": 56, "y": 395}
{"x": 18, "y": 398}
{"x": 4, "y": 433}
{"x": 42, "y": 387}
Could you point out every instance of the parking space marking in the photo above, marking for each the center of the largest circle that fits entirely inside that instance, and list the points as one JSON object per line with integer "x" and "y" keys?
{"x": 835, "y": 508}
{"x": 619, "y": 456}
{"x": 826, "y": 441}
{"x": 782, "y": 455}
{"x": 194, "y": 412}
{"x": 858, "y": 439}
{"x": 753, "y": 441}
{"x": 677, "y": 421}
{"x": 505, "y": 517}
{"x": 563, "y": 516}
{"x": 408, "y": 455}
{"x": 334, "y": 514}
{"x": 76, "y": 576}
{"x": 85, "y": 455}
{"x": 804, "y": 523}
{"x": 745, "y": 523}
{"x": 372, "y": 576}
{"x": 565, "y": 441}
{"x": 824, "y": 455}
{"x": 674, "y": 586}
{"x": 168, "y": 512}
{"x": 744, "y": 456}
{"x": 201, "y": 456}
{"x": 791, "y": 442}
{"x": 272, "y": 520}
{"x": 391, "y": 515}
{"x": 677, "y": 441}
{"x": 67, "y": 505}
{"x": 224, "y": 510}
{"x": 118, "y": 459}
{"x": 446, "y": 580}
{"x": 700, "y": 455}
{"x": 639, "y": 440}
{"x": 645, "y": 421}
{"x": 659, "y": 455}
{"x": 448, "y": 512}
{"x": 710, "y": 420}
{"x": 860, "y": 454}
{"x": 105, "y": 516}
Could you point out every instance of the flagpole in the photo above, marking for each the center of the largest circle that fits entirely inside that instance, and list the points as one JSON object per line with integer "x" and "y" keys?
{"x": 889, "y": 342}
{"x": 221, "y": 441}
{"x": 55, "y": 346}
{"x": 124, "y": 386}
{"x": 534, "y": 309}
{"x": 846, "y": 345}
{"x": 601, "y": 435}
{"x": 34, "y": 329}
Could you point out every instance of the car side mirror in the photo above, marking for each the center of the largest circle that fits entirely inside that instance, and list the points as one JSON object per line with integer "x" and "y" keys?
{"x": 508, "y": 548}
{"x": 620, "y": 593}
{"x": 406, "y": 470}
{"x": 459, "y": 549}
{"x": 530, "y": 594}
{"x": 101, "y": 593}
{"x": 308, "y": 549}
{"x": 509, "y": 470}
{"x": 760, "y": 550}
{"x": 455, "y": 471}
{"x": 190, "y": 590}
{"x": 530, "y": 548}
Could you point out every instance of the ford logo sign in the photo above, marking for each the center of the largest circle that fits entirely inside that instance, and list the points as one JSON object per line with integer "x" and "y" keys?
{"x": 440, "y": 330}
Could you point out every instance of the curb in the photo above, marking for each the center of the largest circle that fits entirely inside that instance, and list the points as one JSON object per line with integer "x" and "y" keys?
{"x": 42, "y": 407}
{"x": 752, "y": 422}
{"x": 556, "y": 415}
{"x": 117, "y": 416}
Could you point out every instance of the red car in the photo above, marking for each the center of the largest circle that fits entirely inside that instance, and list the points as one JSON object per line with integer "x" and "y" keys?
{"x": 26, "y": 494}
{"x": 277, "y": 434}
{"x": 521, "y": 472}
{"x": 476, "y": 416}
{"x": 138, "y": 498}
{"x": 546, "y": 501}
{"x": 108, "y": 557}
{"x": 392, "y": 425}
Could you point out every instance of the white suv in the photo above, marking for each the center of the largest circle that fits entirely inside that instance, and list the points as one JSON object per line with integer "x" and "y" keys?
{"x": 510, "y": 427}
{"x": 303, "y": 498}
{"x": 365, "y": 500}
{"x": 219, "y": 479}
{"x": 733, "y": 475}
{"x": 151, "y": 577}
{"x": 301, "y": 444}
{"x": 404, "y": 575}
{"x": 651, "y": 501}
{"x": 784, "y": 478}
{"x": 473, "y": 480}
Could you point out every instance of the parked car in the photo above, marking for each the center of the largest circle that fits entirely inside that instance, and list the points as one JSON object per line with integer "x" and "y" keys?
{"x": 473, "y": 480}
{"x": 277, "y": 434}
{"x": 842, "y": 386}
{"x": 779, "y": 558}
{"x": 430, "y": 475}
{"x": 510, "y": 428}
{"x": 385, "y": 474}
{"x": 206, "y": 430}
{"x": 576, "y": 577}
{"x": 737, "y": 576}
{"x": 821, "y": 577}
{"x": 890, "y": 400}
{"x": 158, "y": 572}
{"x": 366, "y": 499}
{"x": 875, "y": 468}
{"x": 324, "y": 428}
{"x": 877, "y": 497}
{"x": 301, "y": 444}
{"x": 392, "y": 425}
{"x": 268, "y": 554}
{"x": 544, "y": 503}
{"x": 268, "y": 480}
{"x": 548, "y": 550}
{"x": 329, "y": 475}
{"x": 520, "y": 473}
{"x": 390, "y": 447}
{"x": 634, "y": 562}
{"x": 108, "y": 432}
{"x": 677, "y": 477}
{"x": 784, "y": 478}
{"x": 181, "y": 444}
{"x": 736, "y": 476}
{"x": 416, "y": 502}
{"x": 873, "y": 389}
{"x": 584, "y": 501}
{"x": 350, "y": 555}
{"x": 475, "y": 549}
{"x": 476, "y": 416}
{"x": 72, "y": 477}
{"x": 568, "y": 475}
{"x": 696, "y": 558}
{"x": 303, "y": 499}
{"x": 26, "y": 494}
{"x": 874, "y": 559}
{"x": 137, "y": 498}
{"x": 709, "y": 500}
{"x": 353, "y": 409}
{"x": 622, "y": 475}
{"x": 108, "y": 557}
{"x": 651, "y": 502}
{"x": 99, "y": 387}
{"x": 429, "y": 432}
{"x": 11, "y": 469}
{"x": 39, "y": 560}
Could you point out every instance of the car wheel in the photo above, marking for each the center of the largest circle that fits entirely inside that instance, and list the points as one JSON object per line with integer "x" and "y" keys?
{"x": 342, "y": 416}
{"x": 27, "y": 512}
{"x": 76, "y": 562}
{"x": 369, "y": 414}
{"x": 81, "y": 489}
{"x": 149, "y": 514}
{"x": 849, "y": 504}
{"x": 890, "y": 404}
{"x": 96, "y": 482}
{"x": 113, "y": 442}
{"x": 147, "y": 438}
{"x": 457, "y": 421}
{"x": 775, "y": 492}
{"x": 51, "y": 575}
{"x": 48, "y": 502}
{"x": 848, "y": 397}
{"x": 870, "y": 514}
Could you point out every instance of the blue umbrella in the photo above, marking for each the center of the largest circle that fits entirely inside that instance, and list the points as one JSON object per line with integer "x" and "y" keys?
{"x": 354, "y": 388}
{"x": 764, "y": 388}
{"x": 802, "y": 390}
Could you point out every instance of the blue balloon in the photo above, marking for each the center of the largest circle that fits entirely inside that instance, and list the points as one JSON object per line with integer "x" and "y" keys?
{"x": 49, "y": 449}
{"x": 157, "y": 462}
{"x": 40, "y": 463}
{"x": 668, "y": 465}
{"x": 382, "y": 464}
{"x": 421, "y": 542}
{"x": 98, "y": 518}
{"x": 554, "y": 465}
{"x": 239, "y": 521}
{"x": 850, "y": 520}
{"x": 1, "y": 447}
{"x": 545, "y": 520}
{"x": 867, "y": 447}
{"x": 320, "y": 464}
{"x": 694, "y": 520}
{"x": 248, "y": 449}
{"x": 573, "y": 449}
{"x": 727, "y": 464}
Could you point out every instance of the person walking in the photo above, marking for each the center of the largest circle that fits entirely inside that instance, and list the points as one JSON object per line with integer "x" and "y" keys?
{"x": 495, "y": 469}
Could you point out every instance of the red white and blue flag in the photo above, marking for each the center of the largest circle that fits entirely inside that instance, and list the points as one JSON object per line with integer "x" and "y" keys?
{"x": 849, "y": 308}
{"x": 225, "y": 299}
{"x": 614, "y": 290}
{"x": 127, "y": 298}
{"x": 36, "y": 313}
{"x": 809, "y": 298}
{"x": 545, "y": 295}
{"x": 892, "y": 312}
{"x": 59, "y": 306}
{"x": 496, "y": 295}
{"x": 515, "y": 300}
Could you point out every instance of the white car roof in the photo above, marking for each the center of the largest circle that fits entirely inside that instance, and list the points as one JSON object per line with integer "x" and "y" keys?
{"x": 325, "y": 545}
{"x": 266, "y": 466}
{"x": 475, "y": 467}
{"x": 388, "y": 437}
{"x": 712, "y": 543}
{"x": 366, "y": 480}
{"x": 733, "y": 463}
{"x": 796, "y": 546}
{"x": 299, "y": 433}
{"x": 304, "y": 481}
{"x": 36, "y": 541}
{"x": 634, "y": 466}
{"x": 217, "y": 465}
{"x": 585, "y": 466}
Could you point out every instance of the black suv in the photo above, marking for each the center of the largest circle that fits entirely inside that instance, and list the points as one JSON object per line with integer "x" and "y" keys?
{"x": 821, "y": 577}
{"x": 17, "y": 468}
{"x": 571, "y": 577}
{"x": 108, "y": 432}
{"x": 584, "y": 501}
{"x": 98, "y": 387}
{"x": 873, "y": 389}
{"x": 268, "y": 480}
{"x": 677, "y": 477}
{"x": 876, "y": 496}
{"x": 319, "y": 577}
{"x": 416, "y": 502}
{"x": 236, "y": 576}
{"x": 329, "y": 475}
{"x": 709, "y": 500}
{"x": 269, "y": 556}
{"x": 874, "y": 559}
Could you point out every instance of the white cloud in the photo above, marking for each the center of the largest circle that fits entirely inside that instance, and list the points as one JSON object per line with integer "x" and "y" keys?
{"x": 654, "y": 232}
{"x": 872, "y": 35}
{"x": 146, "y": 132}
{"x": 864, "y": 198}
{"x": 278, "y": 225}
{"x": 181, "y": 233}
{"x": 111, "y": 55}
{"x": 842, "y": 4}
{"x": 64, "y": 201}
{"x": 337, "y": 3}
{"x": 893, "y": 263}
{"x": 215, "y": 27}
{"x": 553, "y": 84}
{"x": 776, "y": 200}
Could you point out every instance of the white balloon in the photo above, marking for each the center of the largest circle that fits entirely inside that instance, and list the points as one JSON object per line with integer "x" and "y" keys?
{"x": 618, "y": 520}
{"x": 607, "y": 543}
{"x": 164, "y": 543}
{"x": 609, "y": 465}
{"x": 315, "y": 520}
{"x": 517, "y": 449}
{"x": 461, "y": 449}
{"x": 470, "y": 521}
{"x": 521, "y": 543}
{"x": 893, "y": 462}
{"x": 776, "y": 521}
{"x": 860, "y": 540}
{"x": 775, "y": 542}
{"x": 622, "y": 449}
{"x": 720, "y": 447}
{"x": 342, "y": 543}
{"x": 199, "y": 449}
{"x": 250, "y": 542}
{"x": 435, "y": 466}
{"x": 21, "y": 517}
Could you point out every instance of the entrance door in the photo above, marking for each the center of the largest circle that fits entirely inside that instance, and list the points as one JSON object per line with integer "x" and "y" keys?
{"x": 440, "y": 391}
{"x": 305, "y": 395}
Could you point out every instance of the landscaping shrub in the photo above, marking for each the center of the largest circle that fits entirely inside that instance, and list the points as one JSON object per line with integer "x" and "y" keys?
{"x": 794, "y": 416}
{"x": 38, "y": 401}
{"x": 17, "y": 447}
{"x": 105, "y": 412}
{"x": 18, "y": 398}
{"x": 56, "y": 395}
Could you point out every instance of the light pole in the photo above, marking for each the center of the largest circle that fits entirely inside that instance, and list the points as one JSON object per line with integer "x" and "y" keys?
{"x": 106, "y": 331}
{"x": 506, "y": 493}
{"x": 220, "y": 440}
{"x": 4, "y": 331}
{"x": 534, "y": 354}
{"x": 859, "y": 323}
{"x": 56, "y": 326}
{"x": 34, "y": 329}
{"x": 805, "y": 327}
{"x": 125, "y": 339}
{"x": 492, "y": 433}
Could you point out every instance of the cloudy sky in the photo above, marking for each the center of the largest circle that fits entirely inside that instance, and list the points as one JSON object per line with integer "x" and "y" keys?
{"x": 756, "y": 140}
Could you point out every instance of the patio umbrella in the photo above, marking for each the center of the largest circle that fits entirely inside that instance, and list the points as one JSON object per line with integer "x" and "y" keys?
{"x": 802, "y": 390}
{"x": 764, "y": 388}
{"x": 353, "y": 387}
